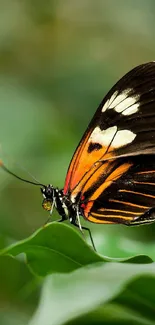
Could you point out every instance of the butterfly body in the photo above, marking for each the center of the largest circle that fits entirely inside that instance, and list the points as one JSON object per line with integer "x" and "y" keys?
{"x": 54, "y": 198}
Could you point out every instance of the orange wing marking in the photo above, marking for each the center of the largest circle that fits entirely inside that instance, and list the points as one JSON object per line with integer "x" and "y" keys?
{"x": 74, "y": 162}
{"x": 129, "y": 203}
{"x": 109, "y": 180}
{"x": 147, "y": 183}
{"x": 85, "y": 164}
{"x": 146, "y": 172}
{"x": 138, "y": 193}
{"x": 88, "y": 175}
{"x": 87, "y": 208}
{"x": 111, "y": 216}
{"x": 113, "y": 210}
{"x": 95, "y": 220}
{"x": 102, "y": 170}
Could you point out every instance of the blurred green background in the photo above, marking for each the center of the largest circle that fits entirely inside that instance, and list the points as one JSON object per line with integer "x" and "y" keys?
{"x": 57, "y": 61}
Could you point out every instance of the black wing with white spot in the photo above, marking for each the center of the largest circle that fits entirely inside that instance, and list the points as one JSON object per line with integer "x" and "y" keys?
{"x": 123, "y": 126}
{"x": 130, "y": 107}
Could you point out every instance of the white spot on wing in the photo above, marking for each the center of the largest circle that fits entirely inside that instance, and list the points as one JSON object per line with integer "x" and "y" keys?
{"x": 105, "y": 107}
{"x": 119, "y": 98}
{"x": 131, "y": 110}
{"x": 113, "y": 97}
{"x": 122, "y": 138}
{"x": 123, "y": 103}
{"x": 109, "y": 101}
{"x": 112, "y": 136}
{"x": 103, "y": 137}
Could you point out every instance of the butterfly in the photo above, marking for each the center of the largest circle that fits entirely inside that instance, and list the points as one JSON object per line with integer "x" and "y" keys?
{"x": 111, "y": 177}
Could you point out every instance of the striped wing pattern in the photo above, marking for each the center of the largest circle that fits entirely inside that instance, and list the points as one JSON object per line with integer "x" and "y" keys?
{"x": 128, "y": 198}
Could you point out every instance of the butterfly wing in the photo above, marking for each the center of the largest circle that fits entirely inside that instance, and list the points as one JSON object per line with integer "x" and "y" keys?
{"x": 124, "y": 194}
{"x": 122, "y": 128}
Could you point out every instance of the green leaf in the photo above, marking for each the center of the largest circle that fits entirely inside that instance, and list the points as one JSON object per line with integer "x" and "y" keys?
{"x": 113, "y": 314}
{"x": 54, "y": 248}
{"x": 16, "y": 281}
{"x": 115, "y": 292}
{"x": 114, "y": 243}
{"x": 59, "y": 248}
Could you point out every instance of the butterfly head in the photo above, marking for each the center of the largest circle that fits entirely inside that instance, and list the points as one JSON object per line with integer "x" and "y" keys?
{"x": 48, "y": 193}
{"x": 54, "y": 198}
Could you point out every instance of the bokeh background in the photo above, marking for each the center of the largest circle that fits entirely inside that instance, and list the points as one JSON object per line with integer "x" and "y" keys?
{"x": 57, "y": 61}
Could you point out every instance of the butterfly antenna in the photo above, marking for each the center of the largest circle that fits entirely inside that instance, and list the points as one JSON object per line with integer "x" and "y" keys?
{"x": 24, "y": 169}
{"x": 18, "y": 177}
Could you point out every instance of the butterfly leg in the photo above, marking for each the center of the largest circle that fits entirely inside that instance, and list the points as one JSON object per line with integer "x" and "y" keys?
{"x": 147, "y": 218}
{"x": 76, "y": 222}
{"x": 90, "y": 235}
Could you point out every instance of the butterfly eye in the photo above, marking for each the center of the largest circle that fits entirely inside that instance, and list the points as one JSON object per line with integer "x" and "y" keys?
{"x": 47, "y": 204}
